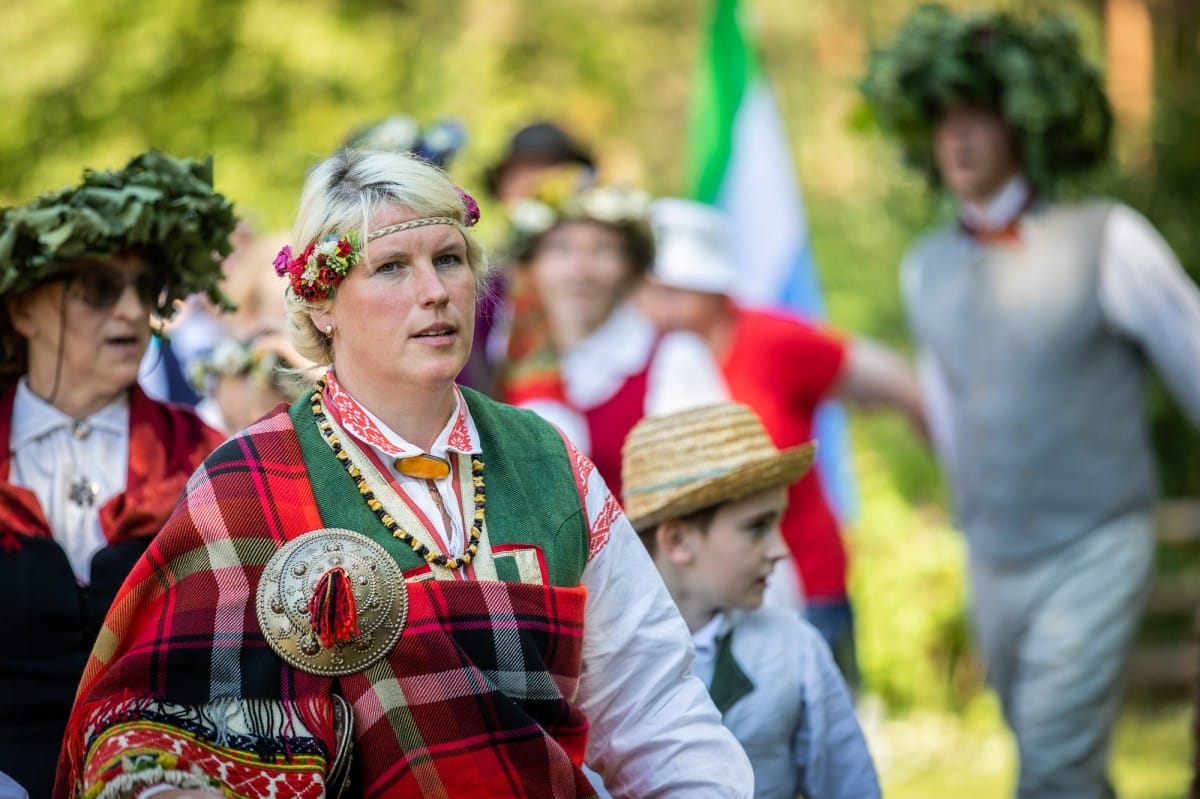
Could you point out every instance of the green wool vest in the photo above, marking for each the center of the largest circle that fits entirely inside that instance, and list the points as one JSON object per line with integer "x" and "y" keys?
{"x": 529, "y": 488}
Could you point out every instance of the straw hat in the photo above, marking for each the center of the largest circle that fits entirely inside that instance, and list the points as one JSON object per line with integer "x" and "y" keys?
{"x": 674, "y": 465}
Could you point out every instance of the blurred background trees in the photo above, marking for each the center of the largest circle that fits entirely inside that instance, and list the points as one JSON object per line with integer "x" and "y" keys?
{"x": 270, "y": 86}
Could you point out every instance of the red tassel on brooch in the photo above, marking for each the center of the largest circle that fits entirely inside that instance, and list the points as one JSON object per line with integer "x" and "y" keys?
{"x": 332, "y": 611}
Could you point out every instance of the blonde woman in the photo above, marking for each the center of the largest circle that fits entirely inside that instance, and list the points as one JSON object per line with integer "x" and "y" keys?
{"x": 395, "y": 584}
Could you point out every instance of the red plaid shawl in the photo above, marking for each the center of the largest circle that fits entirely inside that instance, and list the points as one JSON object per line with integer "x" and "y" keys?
{"x": 473, "y": 701}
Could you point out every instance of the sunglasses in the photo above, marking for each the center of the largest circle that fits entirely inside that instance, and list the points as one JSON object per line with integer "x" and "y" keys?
{"x": 101, "y": 287}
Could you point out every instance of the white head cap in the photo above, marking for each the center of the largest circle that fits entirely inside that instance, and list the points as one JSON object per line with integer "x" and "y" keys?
{"x": 692, "y": 248}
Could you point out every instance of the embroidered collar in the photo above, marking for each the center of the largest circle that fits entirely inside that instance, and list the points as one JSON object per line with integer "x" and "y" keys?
{"x": 34, "y": 418}
{"x": 459, "y": 435}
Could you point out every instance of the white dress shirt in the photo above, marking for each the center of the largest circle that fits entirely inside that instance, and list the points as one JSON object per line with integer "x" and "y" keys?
{"x": 389, "y": 445}
{"x": 705, "y": 640}
{"x": 72, "y": 466}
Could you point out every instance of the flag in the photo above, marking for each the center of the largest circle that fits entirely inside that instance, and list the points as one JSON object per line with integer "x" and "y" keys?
{"x": 739, "y": 161}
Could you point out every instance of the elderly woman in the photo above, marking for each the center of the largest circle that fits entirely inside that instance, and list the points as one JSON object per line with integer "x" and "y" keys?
{"x": 395, "y": 587}
{"x": 580, "y": 353}
{"x": 92, "y": 467}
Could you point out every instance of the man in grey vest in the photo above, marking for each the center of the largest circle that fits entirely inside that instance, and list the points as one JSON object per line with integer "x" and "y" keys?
{"x": 1035, "y": 322}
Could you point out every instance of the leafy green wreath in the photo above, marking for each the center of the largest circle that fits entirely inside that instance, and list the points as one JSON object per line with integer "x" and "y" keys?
{"x": 159, "y": 205}
{"x": 1033, "y": 74}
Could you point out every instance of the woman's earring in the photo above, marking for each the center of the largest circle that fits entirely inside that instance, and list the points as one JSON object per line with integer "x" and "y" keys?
{"x": 329, "y": 330}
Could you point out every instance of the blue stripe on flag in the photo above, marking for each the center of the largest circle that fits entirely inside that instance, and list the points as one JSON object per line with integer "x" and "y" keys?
{"x": 801, "y": 293}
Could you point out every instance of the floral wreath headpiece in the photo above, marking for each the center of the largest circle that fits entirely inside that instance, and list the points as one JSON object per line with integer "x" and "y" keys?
{"x": 437, "y": 142}
{"x": 1032, "y": 72}
{"x": 323, "y": 265}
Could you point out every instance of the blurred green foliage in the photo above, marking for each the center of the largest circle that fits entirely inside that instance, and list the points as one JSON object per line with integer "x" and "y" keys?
{"x": 927, "y": 755}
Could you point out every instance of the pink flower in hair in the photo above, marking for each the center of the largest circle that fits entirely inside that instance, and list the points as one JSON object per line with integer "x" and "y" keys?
{"x": 282, "y": 260}
{"x": 471, "y": 216}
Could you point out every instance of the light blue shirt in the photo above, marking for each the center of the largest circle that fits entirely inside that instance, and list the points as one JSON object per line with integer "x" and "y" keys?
{"x": 782, "y": 696}
{"x": 786, "y": 703}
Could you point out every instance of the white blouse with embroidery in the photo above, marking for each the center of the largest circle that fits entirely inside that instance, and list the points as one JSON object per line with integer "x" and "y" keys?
{"x": 654, "y": 730}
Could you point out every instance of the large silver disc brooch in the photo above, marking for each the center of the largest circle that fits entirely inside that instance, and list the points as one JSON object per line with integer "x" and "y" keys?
{"x": 332, "y": 602}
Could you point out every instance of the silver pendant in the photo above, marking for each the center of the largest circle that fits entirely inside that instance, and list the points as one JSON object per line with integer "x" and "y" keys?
{"x": 83, "y": 492}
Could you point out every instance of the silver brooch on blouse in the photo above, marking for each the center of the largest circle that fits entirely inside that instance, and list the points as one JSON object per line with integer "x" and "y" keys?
{"x": 83, "y": 492}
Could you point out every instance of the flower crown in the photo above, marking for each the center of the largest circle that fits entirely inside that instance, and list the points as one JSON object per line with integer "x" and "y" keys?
{"x": 437, "y": 142}
{"x": 323, "y": 265}
{"x": 230, "y": 357}
{"x": 622, "y": 207}
{"x": 565, "y": 194}
{"x": 611, "y": 204}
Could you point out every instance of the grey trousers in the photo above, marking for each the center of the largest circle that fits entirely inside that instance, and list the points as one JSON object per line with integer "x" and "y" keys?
{"x": 1055, "y": 636}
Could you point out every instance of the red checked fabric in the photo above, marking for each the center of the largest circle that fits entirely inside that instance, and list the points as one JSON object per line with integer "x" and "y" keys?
{"x": 475, "y": 700}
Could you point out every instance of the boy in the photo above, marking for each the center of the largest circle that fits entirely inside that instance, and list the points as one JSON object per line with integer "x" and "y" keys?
{"x": 706, "y": 490}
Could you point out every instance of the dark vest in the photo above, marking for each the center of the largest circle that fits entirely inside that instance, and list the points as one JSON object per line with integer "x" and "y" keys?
{"x": 1049, "y": 416}
{"x": 53, "y": 622}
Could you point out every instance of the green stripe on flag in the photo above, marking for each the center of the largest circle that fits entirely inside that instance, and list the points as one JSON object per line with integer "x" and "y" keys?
{"x": 727, "y": 66}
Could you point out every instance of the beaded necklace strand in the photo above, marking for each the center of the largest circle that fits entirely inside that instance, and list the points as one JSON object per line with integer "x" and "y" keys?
{"x": 434, "y": 558}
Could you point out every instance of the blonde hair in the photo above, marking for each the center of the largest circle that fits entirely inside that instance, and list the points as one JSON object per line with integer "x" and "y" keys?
{"x": 344, "y": 193}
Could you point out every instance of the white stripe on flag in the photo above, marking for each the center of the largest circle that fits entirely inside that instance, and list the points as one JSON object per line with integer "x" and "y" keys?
{"x": 760, "y": 196}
